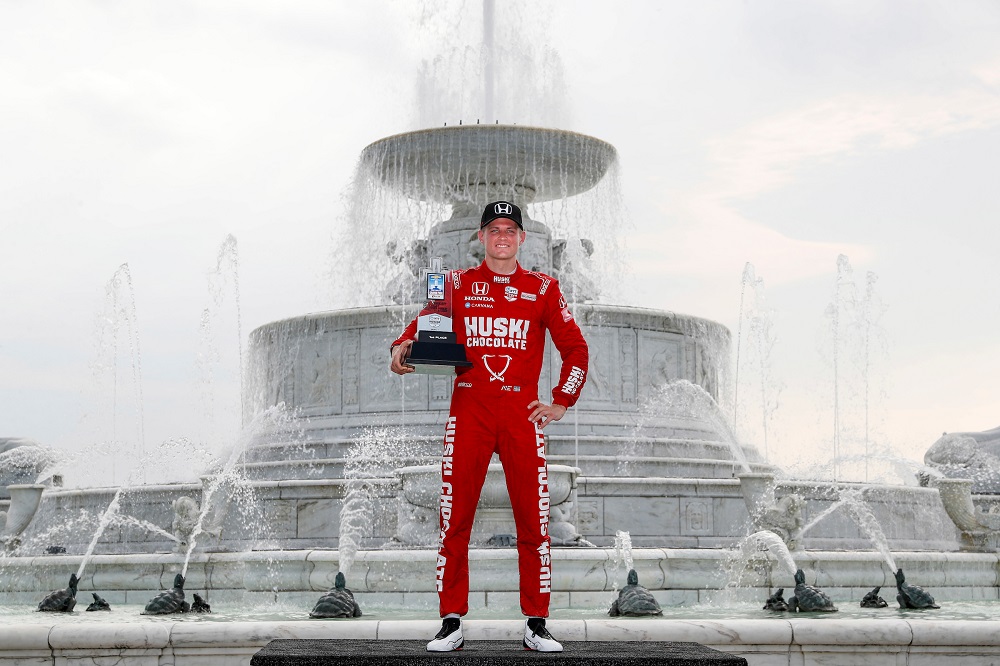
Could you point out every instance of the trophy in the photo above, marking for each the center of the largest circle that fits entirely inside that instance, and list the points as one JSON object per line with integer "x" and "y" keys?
{"x": 435, "y": 351}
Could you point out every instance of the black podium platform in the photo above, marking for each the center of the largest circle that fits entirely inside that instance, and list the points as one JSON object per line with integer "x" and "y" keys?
{"x": 316, "y": 652}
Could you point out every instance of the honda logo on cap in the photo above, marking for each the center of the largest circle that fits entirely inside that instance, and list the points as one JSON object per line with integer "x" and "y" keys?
{"x": 503, "y": 208}
{"x": 480, "y": 288}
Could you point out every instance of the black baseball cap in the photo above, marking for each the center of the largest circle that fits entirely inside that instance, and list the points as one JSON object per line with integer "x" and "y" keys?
{"x": 501, "y": 209}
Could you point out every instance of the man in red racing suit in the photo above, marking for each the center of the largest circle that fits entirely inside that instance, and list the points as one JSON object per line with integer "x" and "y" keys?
{"x": 500, "y": 314}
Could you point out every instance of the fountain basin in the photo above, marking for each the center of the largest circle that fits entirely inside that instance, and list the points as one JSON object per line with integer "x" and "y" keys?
{"x": 582, "y": 577}
{"x": 658, "y": 512}
{"x": 330, "y": 369}
{"x": 475, "y": 164}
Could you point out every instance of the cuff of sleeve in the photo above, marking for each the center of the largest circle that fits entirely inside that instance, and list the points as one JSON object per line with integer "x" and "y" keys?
{"x": 562, "y": 400}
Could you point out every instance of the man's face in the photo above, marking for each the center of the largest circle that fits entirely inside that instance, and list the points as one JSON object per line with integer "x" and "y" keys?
{"x": 501, "y": 238}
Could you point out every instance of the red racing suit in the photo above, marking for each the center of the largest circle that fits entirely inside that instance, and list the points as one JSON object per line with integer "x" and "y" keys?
{"x": 501, "y": 320}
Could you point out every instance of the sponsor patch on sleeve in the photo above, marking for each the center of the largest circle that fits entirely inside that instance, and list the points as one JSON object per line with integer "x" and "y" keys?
{"x": 573, "y": 381}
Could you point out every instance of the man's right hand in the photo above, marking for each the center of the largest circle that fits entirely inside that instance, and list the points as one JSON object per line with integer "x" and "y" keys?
{"x": 400, "y": 353}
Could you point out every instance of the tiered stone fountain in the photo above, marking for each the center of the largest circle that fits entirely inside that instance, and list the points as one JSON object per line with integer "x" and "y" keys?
{"x": 644, "y": 451}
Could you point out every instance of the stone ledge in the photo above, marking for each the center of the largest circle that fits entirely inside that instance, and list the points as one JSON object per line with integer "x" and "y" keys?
{"x": 763, "y": 642}
{"x": 285, "y": 652}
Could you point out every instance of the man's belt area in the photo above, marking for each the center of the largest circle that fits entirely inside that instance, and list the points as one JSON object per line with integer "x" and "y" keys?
{"x": 492, "y": 387}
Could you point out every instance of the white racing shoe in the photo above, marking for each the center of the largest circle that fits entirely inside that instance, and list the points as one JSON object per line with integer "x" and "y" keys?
{"x": 449, "y": 638}
{"x": 538, "y": 638}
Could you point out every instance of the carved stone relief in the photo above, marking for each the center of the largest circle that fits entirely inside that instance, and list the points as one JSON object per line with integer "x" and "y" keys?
{"x": 602, "y": 375}
{"x": 318, "y": 377}
{"x": 707, "y": 374}
{"x": 660, "y": 359}
{"x": 696, "y": 516}
{"x": 589, "y": 515}
{"x": 380, "y": 389}
{"x": 352, "y": 366}
{"x": 629, "y": 366}
{"x": 440, "y": 391}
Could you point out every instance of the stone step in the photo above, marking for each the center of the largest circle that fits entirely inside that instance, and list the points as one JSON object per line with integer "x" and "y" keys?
{"x": 319, "y": 427}
{"x": 591, "y": 445}
{"x": 592, "y": 465}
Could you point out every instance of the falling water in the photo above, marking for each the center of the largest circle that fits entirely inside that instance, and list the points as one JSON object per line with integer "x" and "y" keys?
{"x": 230, "y": 479}
{"x": 843, "y": 300}
{"x": 405, "y": 186}
{"x": 757, "y": 330}
{"x": 112, "y": 515}
{"x": 46, "y": 460}
{"x": 144, "y": 524}
{"x": 227, "y": 267}
{"x": 489, "y": 78}
{"x": 682, "y": 397}
{"x": 853, "y": 502}
{"x": 622, "y": 556}
{"x": 746, "y": 279}
{"x": 873, "y": 350}
{"x": 106, "y": 519}
{"x": 408, "y": 188}
{"x": 373, "y": 456}
{"x": 356, "y": 518}
{"x": 503, "y": 49}
{"x": 120, "y": 312}
{"x": 774, "y": 545}
{"x": 859, "y": 512}
{"x": 221, "y": 328}
{"x": 856, "y": 350}
{"x": 819, "y": 517}
{"x": 866, "y": 351}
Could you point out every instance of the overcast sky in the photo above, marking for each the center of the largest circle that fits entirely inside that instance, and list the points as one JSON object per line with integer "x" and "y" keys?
{"x": 783, "y": 134}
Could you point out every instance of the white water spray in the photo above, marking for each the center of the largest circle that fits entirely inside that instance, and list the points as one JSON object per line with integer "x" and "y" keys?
{"x": 773, "y": 544}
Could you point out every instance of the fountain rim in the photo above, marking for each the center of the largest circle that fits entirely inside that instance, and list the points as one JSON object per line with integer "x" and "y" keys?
{"x": 497, "y": 126}
{"x": 582, "y": 312}
{"x": 783, "y": 483}
{"x": 427, "y": 175}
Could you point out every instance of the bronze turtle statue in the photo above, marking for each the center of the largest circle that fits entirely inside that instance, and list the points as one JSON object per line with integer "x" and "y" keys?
{"x": 61, "y": 601}
{"x": 776, "y": 602}
{"x": 99, "y": 603}
{"x": 912, "y": 596}
{"x": 169, "y": 601}
{"x": 634, "y": 599}
{"x": 199, "y": 605}
{"x": 872, "y": 600}
{"x": 809, "y": 599}
{"x": 338, "y": 602}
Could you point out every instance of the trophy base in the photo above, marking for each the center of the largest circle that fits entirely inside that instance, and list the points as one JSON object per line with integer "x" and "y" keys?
{"x": 437, "y": 358}
{"x": 421, "y": 368}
